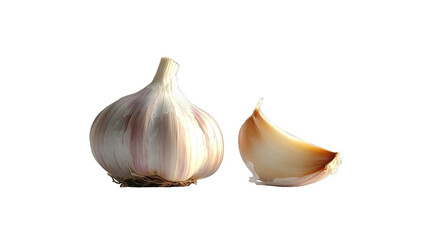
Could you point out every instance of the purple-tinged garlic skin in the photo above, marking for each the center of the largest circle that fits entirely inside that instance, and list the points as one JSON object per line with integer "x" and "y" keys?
{"x": 157, "y": 131}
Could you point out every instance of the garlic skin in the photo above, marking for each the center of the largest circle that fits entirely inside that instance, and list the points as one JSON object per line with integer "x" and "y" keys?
{"x": 157, "y": 131}
{"x": 277, "y": 158}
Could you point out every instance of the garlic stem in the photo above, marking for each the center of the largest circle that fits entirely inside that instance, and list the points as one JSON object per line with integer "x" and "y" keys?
{"x": 166, "y": 72}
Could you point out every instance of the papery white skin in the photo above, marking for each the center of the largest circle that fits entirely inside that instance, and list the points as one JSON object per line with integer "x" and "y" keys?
{"x": 157, "y": 131}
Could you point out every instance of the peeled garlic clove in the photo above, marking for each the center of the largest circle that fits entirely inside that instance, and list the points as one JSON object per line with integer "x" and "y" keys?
{"x": 156, "y": 137}
{"x": 280, "y": 159}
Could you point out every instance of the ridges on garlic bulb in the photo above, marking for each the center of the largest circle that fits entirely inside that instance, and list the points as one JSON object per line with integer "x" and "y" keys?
{"x": 277, "y": 158}
{"x": 156, "y": 137}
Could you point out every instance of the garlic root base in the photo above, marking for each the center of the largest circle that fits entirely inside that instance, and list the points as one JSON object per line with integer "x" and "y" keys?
{"x": 151, "y": 181}
{"x": 330, "y": 169}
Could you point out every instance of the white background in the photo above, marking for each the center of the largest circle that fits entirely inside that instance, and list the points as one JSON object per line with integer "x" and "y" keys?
{"x": 349, "y": 76}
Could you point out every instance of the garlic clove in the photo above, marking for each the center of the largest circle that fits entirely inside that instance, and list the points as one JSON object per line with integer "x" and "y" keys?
{"x": 277, "y": 158}
{"x": 156, "y": 137}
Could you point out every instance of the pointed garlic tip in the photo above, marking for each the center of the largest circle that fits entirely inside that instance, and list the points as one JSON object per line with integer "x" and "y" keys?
{"x": 277, "y": 158}
{"x": 258, "y": 106}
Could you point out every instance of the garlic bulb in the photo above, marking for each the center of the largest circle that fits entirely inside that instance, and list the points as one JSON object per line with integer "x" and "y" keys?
{"x": 156, "y": 137}
{"x": 280, "y": 159}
